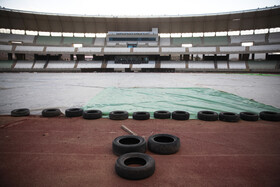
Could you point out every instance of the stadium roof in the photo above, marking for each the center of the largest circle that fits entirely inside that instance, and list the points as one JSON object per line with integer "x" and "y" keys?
{"x": 229, "y": 21}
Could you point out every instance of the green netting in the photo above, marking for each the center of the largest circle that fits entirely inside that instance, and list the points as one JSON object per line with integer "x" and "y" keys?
{"x": 171, "y": 99}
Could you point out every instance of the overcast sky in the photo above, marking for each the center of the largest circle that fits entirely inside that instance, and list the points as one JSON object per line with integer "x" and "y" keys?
{"x": 136, "y": 7}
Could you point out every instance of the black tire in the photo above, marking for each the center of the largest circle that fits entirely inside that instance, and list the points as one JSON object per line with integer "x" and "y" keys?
{"x": 162, "y": 114}
{"x": 229, "y": 117}
{"x": 141, "y": 115}
{"x": 164, "y": 144}
{"x": 20, "y": 112}
{"x": 249, "y": 116}
{"x": 270, "y": 116}
{"x": 180, "y": 115}
{"x": 51, "y": 112}
{"x": 73, "y": 112}
{"x": 92, "y": 114}
{"x": 145, "y": 170}
{"x": 128, "y": 144}
{"x": 118, "y": 115}
{"x": 207, "y": 115}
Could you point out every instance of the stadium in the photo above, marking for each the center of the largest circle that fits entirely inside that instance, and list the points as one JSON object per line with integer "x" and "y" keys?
{"x": 71, "y": 85}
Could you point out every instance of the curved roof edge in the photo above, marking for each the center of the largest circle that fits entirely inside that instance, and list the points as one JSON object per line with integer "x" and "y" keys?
{"x": 139, "y": 16}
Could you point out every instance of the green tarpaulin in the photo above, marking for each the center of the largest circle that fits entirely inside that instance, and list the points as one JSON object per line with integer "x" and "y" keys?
{"x": 191, "y": 100}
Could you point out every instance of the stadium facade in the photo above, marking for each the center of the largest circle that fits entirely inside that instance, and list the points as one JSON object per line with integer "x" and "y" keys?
{"x": 243, "y": 41}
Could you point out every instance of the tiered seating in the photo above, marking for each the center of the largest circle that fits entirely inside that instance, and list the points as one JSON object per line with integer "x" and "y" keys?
{"x": 60, "y": 49}
{"x": 218, "y": 40}
{"x": 222, "y": 65}
{"x": 78, "y": 40}
{"x": 173, "y": 64}
{"x": 116, "y": 50}
{"x": 173, "y": 50}
{"x": 61, "y": 64}
{"x": 262, "y": 64}
{"x": 5, "y": 48}
{"x": 262, "y": 48}
{"x": 186, "y": 40}
{"x": 274, "y": 38}
{"x": 150, "y": 64}
{"x": 99, "y": 42}
{"x": 39, "y": 64}
{"x": 16, "y": 38}
{"x": 89, "y": 64}
{"x": 89, "y": 49}
{"x": 202, "y": 49}
{"x": 111, "y": 64}
{"x": 48, "y": 40}
{"x": 6, "y": 64}
{"x": 201, "y": 65}
{"x": 237, "y": 65}
{"x": 30, "y": 48}
{"x": 164, "y": 41}
{"x": 230, "y": 49}
{"x": 21, "y": 64}
{"x": 146, "y": 50}
{"x": 257, "y": 38}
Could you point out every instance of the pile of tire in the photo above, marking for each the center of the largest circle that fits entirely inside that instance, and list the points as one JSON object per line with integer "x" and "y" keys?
{"x": 131, "y": 151}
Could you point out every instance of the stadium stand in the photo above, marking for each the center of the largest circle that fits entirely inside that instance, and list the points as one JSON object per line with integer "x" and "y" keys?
{"x": 165, "y": 41}
{"x": 61, "y": 64}
{"x": 89, "y": 64}
{"x": 22, "y": 64}
{"x": 89, "y": 50}
{"x": 186, "y": 40}
{"x": 230, "y": 49}
{"x": 111, "y": 64}
{"x": 256, "y": 38}
{"x": 29, "y": 48}
{"x": 6, "y": 48}
{"x": 146, "y": 50}
{"x": 99, "y": 42}
{"x": 201, "y": 65}
{"x": 261, "y": 65}
{"x": 215, "y": 41}
{"x": 48, "y": 40}
{"x": 150, "y": 64}
{"x": 6, "y": 64}
{"x": 274, "y": 38}
{"x": 39, "y": 64}
{"x": 78, "y": 40}
{"x": 173, "y": 50}
{"x": 262, "y": 48}
{"x": 237, "y": 65}
{"x": 173, "y": 64}
{"x": 116, "y": 50}
{"x": 222, "y": 65}
{"x": 16, "y": 38}
{"x": 202, "y": 49}
{"x": 60, "y": 49}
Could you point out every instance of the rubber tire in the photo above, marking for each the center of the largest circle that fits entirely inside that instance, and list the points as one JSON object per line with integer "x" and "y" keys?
{"x": 51, "y": 112}
{"x": 162, "y": 147}
{"x": 270, "y": 116}
{"x": 180, "y": 115}
{"x": 249, "y": 116}
{"x": 118, "y": 115}
{"x": 20, "y": 112}
{"x": 73, "y": 112}
{"x": 207, "y": 115}
{"x": 162, "y": 114}
{"x": 141, "y": 115}
{"x": 135, "y": 173}
{"x": 134, "y": 144}
{"x": 92, "y": 114}
{"x": 229, "y": 117}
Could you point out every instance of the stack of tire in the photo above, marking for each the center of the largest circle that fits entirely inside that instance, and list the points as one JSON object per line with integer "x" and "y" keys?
{"x": 131, "y": 151}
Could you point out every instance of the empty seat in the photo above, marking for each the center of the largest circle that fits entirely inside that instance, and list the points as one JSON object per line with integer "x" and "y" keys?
{"x": 61, "y": 64}
{"x": 173, "y": 64}
{"x": 6, "y": 64}
{"x": 89, "y": 49}
{"x": 116, "y": 50}
{"x": 21, "y": 64}
{"x": 16, "y": 38}
{"x": 30, "y": 48}
{"x": 173, "y": 49}
{"x": 89, "y": 64}
{"x": 146, "y": 50}
{"x": 48, "y": 40}
{"x": 201, "y": 65}
{"x": 60, "y": 49}
{"x": 218, "y": 40}
{"x": 237, "y": 65}
{"x": 262, "y": 64}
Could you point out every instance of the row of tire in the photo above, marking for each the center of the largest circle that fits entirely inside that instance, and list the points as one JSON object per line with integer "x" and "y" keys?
{"x": 177, "y": 115}
{"x": 131, "y": 151}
